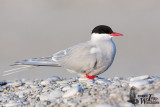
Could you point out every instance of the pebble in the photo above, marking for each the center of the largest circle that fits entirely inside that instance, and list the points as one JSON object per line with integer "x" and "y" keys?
{"x": 75, "y": 84}
{"x": 15, "y": 84}
{"x": 29, "y": 83}
{"x": 12, "y": 105}
{"x": 54, "y": 78}
{"x": 72, "y": 103}
{"x": 1, "y": 89}
{"x": 66, "y": 88}
{"x": 140, "y": 81}
{"x": 45, "y": 82}
{"x": 76, "y": 92}
{"x": 50, "y": 80}
{"x": 73, "y": 91}
{"x": 51, "y": 96}
{"x": 102, "y": 81}
{"x": 2, "y": 83}
{"x": 140, "y": 78}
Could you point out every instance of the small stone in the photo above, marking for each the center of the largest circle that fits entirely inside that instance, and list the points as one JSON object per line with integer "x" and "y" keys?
{"x": 51, "y": 96}
{"x": 139, "y": 78}
{"x": 21, "y": 95}
{"x": 29, "y": 83}
{"x": 138, "y": 83}
{"x": 24, "y": 92}
{"x": 66, "y": 88}
{"x": 45, "y": 97}
{"x": 15, "y": 84}
{"x": 72, "y": 103}
{"x": 46, "y": 103}
{"x": 39, "y": 104}
{"x": 113, "y": 95}
{"x": 90, "y": 83}
{"x": 2, "y": 83}
{"x": 38, "y": 89}
{"x": 45, "y": 82}
{"x": 75, "y": 84}
{"x": 125, "y": 85}
{"x": 12, "y": 104}
{"x": 54, "y": 78}
{"x": 116, "y": 78}
{"x": 62, "y": 82}
{"x": 117, "y": 83}
{"x": 73, "y": 91}
{"x": 59, "y": 100}
{"x": 8, "y": 88}
{"x": 50, "y": 80}
{"x": 1, "y": 89}
{"x": 102, "y": 81}
{"x": 56, "y": 93}
{"x": 83, "y": 79}
{"x": 103, "y": 92}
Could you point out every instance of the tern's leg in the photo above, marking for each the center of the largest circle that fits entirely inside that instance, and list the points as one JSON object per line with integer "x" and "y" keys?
{"x": 90, "y": 77}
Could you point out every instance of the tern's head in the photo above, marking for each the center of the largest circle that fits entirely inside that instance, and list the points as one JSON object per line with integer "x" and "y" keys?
{"x": 104, "y": 31}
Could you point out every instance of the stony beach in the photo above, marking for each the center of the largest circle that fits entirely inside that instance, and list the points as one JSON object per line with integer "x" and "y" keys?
{"x": 79, "y": 92}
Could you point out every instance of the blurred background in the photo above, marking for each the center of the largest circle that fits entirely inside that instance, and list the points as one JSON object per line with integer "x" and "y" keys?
{"x": 37, "y": 28}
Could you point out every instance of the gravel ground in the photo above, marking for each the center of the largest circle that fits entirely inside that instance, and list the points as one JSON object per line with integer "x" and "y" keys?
{"x": 81, "y": 92}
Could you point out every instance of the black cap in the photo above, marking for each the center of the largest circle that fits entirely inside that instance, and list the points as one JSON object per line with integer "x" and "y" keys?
{"x": 102, "y": 29}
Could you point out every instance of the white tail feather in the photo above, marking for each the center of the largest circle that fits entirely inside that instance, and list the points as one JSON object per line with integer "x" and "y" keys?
{"x": 16, "y": 70}
{"x": 31, "y": 63}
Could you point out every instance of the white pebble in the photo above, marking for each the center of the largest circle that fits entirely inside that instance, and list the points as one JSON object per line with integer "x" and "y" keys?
{"x": 56, "y": 93}
{"x": 46, "y": 97}
{"x": 13, "y": 104}
{"x": 54, "y": 78}
{"x": 1, "y": 89}
{"x": 49, "y": 80}
{"x": 38, "y": 104}
{"x": 75, "y": 84}
{"x": 138, "y": 83}
{"x": 124, "y": 85}
{"x": 139, "y": 78}
{"x": 45, "y": 82}
{"x": 66, "y": 88}
{"x": 24, "y": 92}
{"x": 73, "y": 91}
{"x": 84, "y": 79}
{"x": 102, "y": 81}
{"x": 29, "y": 83}
{"x": 72, "y": 103}
{"x": 51, "y": 96}
{"x": 15, "y": 84}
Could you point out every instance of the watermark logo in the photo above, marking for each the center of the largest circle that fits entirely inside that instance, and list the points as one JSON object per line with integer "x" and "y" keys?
{"x": 142, "y": 99}
{"x": 132, "y": 96}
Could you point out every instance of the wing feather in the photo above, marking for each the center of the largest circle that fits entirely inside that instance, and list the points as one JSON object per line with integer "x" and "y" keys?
{"x": 77, "y": 58}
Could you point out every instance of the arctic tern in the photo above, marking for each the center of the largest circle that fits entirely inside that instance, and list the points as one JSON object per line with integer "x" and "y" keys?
{"x": 89, "y": 58}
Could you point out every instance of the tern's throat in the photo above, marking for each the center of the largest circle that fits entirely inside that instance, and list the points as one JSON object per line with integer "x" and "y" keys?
{"x": 100, "y": 37}
{"x": 105, "y": 45}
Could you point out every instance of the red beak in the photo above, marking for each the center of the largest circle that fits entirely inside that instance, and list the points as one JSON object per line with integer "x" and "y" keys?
{"x": 116, "y": 34}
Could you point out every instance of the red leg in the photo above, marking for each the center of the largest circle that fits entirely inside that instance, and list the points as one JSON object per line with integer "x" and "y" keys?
{"x": 90, "y": 77}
